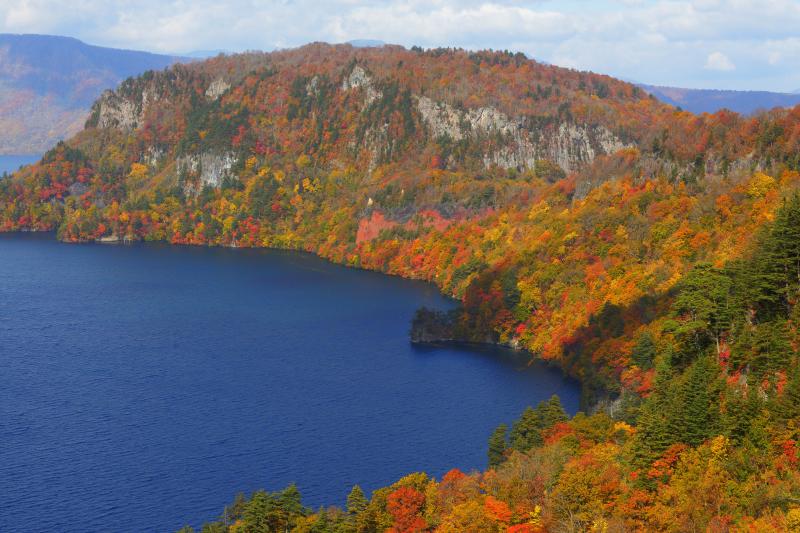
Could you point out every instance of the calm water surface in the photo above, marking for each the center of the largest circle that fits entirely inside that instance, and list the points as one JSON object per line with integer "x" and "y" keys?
{"x": 142, "y": 386}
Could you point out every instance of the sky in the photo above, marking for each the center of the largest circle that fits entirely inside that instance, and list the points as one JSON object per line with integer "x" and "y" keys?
{"x": 733, "y": 44}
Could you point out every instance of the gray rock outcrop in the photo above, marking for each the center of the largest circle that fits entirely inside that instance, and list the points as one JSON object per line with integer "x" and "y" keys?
{"x": 123, "y": 112}
{"x": 209, "y": 169}
{"x": 217, "y": 88}
{"x": 569, "y": 145}
{"x": 359, "y": 78}
{"x": 116, "y": 111}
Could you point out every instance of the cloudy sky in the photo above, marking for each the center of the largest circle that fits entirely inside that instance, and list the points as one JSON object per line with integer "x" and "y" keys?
{"x": 734, "y": 44}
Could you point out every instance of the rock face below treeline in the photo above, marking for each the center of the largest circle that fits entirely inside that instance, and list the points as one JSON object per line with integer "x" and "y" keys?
{"x": 430, "y": 326}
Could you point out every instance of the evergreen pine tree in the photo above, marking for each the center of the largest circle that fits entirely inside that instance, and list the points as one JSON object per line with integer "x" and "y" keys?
{"x": 497, "y": 445}
{"x": 275, "y": 511}
{"x": 772, "y": 278}
{"x": 761, "y": 279}
{"x": 324, "y": 524}
{"x": 740, "y": 411}
{"x": 526, "y": 431}
{"x": 552, "y": 412}
{"x": 289, "y": 500}
{"x": 700, "y": 410}
{"x": 786, "y": 406}
{"x": 644, "y": 352}
{"x": 771, "y": 346}
{"x": 704, "y": 304}
{"x": 785, "y": 240}
{"x": 653, "y": 433}
{"x": 654, "y": 426}
{"x": 356, "y": 501}
{"x": 256, "y": 512}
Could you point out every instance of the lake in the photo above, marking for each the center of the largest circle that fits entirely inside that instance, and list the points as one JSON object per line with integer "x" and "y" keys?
{"x": 143, "y": 386}
{"x": 11, "y": 163}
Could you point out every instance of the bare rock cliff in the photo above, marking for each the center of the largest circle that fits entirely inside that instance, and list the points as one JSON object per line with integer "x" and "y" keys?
{"x": 569, "y": 145}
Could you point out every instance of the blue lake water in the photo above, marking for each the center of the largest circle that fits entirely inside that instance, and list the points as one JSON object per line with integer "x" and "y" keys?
{"x": 11, "y": 163}
{"x": 142, "y": 387}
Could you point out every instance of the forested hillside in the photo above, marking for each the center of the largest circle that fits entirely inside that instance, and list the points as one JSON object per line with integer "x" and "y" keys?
{"x": 653, "y": 253}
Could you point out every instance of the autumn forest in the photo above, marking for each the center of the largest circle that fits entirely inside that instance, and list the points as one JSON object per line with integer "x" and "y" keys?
{"x": 651, "y": 253}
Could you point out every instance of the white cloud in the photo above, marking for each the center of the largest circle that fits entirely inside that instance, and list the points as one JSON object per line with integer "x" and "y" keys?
{"x": 656, "y": 41}
{"x": 774, "y": 58}
{"x": 719, "y": 61}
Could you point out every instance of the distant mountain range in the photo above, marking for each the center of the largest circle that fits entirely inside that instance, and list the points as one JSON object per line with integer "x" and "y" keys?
{"x": 711, "y": 100}
{"x": 48, "y": 83}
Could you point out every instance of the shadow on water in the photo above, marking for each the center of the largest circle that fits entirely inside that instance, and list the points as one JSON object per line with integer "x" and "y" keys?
{"x": 518, "y": 361}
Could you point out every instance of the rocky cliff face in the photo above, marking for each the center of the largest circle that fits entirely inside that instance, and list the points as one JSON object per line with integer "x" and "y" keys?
{"x": 569, "y": 145}
{"x": 217, "y": 88}
{"x": 115, "y": 110}
{"x": 205, "y": 169}
{"x": 125, "y": 111}
{"x": 359, "y": 78}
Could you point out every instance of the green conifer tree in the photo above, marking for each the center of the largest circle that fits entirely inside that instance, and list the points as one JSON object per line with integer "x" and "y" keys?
{"x": 770, "y": 346}
{"x": 552, "y": 412}
{"x": 700, "y": 412}
{"x": 786, "y": 405}
{"x": 526, "y": 431}
{"x": 655, "y": 427}
{"x": 741, "y": 408}
{"x": 356, "y": 501}
{"x": 705, "y": 307}
{"x": 644, "y": 352}
{"x": 497, "y": 445}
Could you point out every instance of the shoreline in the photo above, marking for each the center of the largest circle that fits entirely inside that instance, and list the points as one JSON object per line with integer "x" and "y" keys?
{"x": 530, "y": 357}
